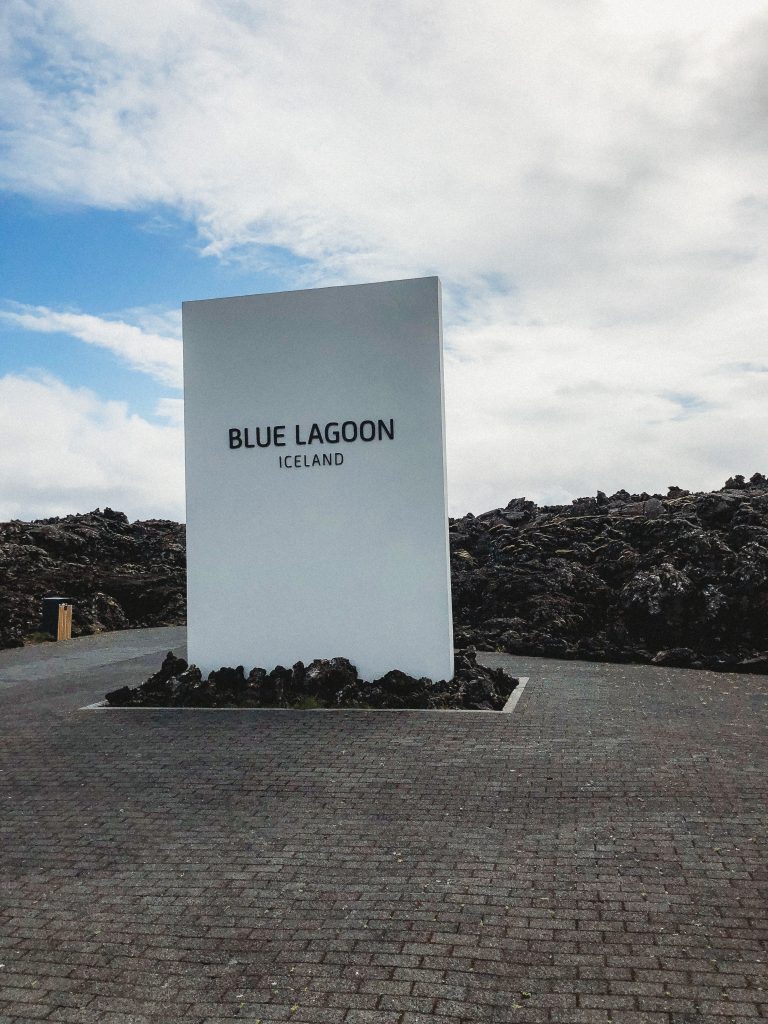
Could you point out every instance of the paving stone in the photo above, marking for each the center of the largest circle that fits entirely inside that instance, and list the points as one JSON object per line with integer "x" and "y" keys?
{"x": 598, "y": 856}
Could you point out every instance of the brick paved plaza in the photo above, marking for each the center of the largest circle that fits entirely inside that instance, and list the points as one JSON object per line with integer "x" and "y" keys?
{"x": 598, "y": 855}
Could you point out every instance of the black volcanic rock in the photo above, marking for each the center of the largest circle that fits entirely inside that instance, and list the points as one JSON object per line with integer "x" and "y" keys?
{"x": 120, "y": 575}
{"x": 330, "y": 683}
{"x": 679, "y": 579}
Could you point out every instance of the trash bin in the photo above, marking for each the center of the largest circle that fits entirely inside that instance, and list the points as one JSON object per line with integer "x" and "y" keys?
{"x": 50, "y": 621}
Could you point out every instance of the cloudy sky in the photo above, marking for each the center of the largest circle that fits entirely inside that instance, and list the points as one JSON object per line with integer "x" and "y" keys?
{"x": 588, "y": 178}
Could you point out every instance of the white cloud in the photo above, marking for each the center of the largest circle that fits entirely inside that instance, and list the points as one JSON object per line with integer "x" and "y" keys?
{"x": 172, "y": 410}
{"x": 154, "y": 320}
{"x": 381, "y": 141}
{"x": 588, "y": 178}
{"x": 544, "y": 412}
{"x": 158, "y": 355}
{"x": 65, "y": 450}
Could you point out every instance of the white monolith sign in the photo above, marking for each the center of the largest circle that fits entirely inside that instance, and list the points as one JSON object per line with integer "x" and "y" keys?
{"x": 316, "y": 513}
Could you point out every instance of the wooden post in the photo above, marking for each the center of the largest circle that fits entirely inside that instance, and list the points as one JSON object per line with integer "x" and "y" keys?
{"x": 64, "y": 629}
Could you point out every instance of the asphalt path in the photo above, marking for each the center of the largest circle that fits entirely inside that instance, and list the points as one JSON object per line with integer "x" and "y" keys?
{"x": 87, "y": 655}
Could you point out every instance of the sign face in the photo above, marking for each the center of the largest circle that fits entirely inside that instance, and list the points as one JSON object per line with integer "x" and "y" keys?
{"x": 315, "y": 460}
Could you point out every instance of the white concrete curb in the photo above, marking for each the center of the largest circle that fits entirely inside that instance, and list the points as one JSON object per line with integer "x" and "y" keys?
{"x": 515, "y": 696}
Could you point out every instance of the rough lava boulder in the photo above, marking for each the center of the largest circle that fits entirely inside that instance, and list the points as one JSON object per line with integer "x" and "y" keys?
{"x": 325, "y": 683}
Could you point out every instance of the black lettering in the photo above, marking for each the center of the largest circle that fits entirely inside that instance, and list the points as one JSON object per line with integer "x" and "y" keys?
{"x": 338, "y": 458}
{"x": 280, "y": 460}
{"x": 332, "y": 435}
{"x": 235, "y": 438}
{"x": 298, "y": 435}
{"x": 388, "y": 430}
{"x": 248, "y": 443}
{"x": 351, "y": 431}
{"x": 327, "y": 460}
{"x": 314, "y": 434}
{"x": 267, "y": 439}
{"x": 367, "y": 427}
{"x": 316, "y": 460}
{"x": 280, "y": 437}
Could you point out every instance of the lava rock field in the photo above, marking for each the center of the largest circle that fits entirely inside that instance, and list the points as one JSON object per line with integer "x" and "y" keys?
{"x": 119, "y": 575}
{"x": 678, "y": 580}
